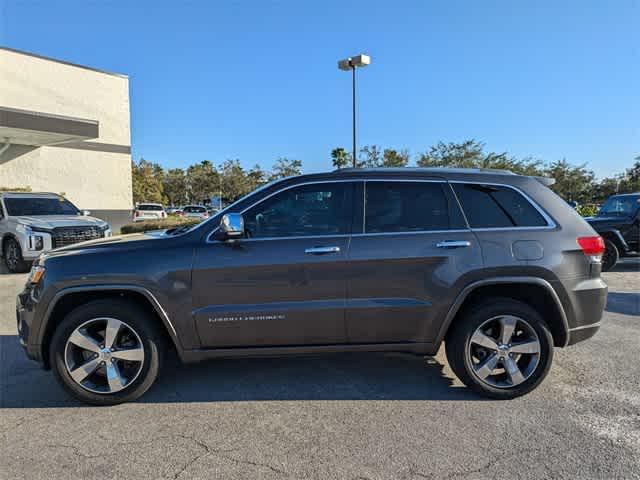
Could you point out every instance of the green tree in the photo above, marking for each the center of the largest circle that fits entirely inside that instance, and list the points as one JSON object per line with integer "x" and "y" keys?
{"x": 235, "y": 183}
{"x": 370, "y": 157}
{"x": 394, "y": 158}
{"x": 573, "y": 183}
{"x": 203, "y": 181}
{"x": 256, "y": 177}
{"x": 174, "y": 183}
{"x": 146, "y": 182}
{"x": 340, "y": 158}
{"x": 285, "y": 167}
{"x": 471, "y": 154}
{"x": 630, "y": 181}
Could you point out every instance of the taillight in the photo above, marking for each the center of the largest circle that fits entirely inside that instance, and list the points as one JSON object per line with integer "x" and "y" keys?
{"x": 136, "y": 213}
{"x": 591, "y": 246}
{"x": 163, "y": 215}
{"x": 206, "y": 215}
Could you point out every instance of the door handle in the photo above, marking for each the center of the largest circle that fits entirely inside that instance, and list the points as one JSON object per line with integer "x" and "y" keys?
{"x": 453, "y": 244}
{"x": 322, "y": 250}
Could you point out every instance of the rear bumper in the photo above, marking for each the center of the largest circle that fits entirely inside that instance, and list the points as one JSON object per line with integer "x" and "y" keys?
{"x": 584, "y": 304}
{"x": 580, "y": 334}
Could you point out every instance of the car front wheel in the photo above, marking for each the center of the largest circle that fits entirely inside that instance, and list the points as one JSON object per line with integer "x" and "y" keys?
{"x": 13, "y": 257}
{"x": 107, "y": 352}
{"x": 501, "y": 349}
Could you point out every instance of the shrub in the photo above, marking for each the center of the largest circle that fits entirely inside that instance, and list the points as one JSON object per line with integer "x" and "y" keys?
{"x": 588, "y": 210}
{"x": 146, "y": 226}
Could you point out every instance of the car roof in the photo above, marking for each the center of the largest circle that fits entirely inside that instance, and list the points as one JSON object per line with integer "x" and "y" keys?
{"x": 626, "y": 195}
{"x": 149, "y": 203}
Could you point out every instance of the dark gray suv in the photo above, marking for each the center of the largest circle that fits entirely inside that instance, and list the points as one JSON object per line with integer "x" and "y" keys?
{"x": 493, "y": 264}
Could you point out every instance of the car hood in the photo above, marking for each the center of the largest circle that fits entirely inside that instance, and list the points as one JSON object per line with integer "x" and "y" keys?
{"x": 133, "y": 240}
{"x": 607, "y": 221}
{"x": 54, "y": 221}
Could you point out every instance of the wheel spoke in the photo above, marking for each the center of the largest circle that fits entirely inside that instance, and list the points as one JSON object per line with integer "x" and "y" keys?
{"x": 131, "y": 354}
{"x": 530, "y": 346}
{"x": 84, "y": 370}
{"x": 111, "y": 332}
{"x": 484, "y": 340}
{"x": 84, "y": 341}
{"x": 508, "y": 326}
{"x": 484, "y": 369}
{"x": 116, "y": 382}
{"x": 515, "y": 375}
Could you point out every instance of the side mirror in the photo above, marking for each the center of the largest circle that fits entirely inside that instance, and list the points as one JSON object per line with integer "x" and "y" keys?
{"x": 86, "y": 213}
{"x": 232, "y": 226}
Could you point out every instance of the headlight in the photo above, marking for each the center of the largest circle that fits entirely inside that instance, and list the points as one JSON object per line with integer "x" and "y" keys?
{"x": 36, "y": 274}
{"x": 22, "y": 228}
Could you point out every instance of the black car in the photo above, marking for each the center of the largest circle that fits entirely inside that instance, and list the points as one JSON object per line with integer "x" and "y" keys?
{"x": 618, "y": 222}
{"x": 493, "y": 264}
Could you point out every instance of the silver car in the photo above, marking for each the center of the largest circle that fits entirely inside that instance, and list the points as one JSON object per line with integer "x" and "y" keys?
{"x": 33, "y": 223}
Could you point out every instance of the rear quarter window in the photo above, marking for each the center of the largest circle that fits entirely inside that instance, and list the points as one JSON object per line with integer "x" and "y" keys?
{"x": 489, "y": 206}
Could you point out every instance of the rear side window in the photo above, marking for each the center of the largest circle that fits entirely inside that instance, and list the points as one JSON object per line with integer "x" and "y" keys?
{"x": 488, "y": 206}
{"x": 407, "y": 207}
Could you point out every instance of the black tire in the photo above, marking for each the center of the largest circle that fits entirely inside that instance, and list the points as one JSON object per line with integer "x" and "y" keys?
{"x": 12, "y": 254}
{"x": 611, "y": 255}
{"x": 144, "y": 325}
{"x": 458, "y": 341}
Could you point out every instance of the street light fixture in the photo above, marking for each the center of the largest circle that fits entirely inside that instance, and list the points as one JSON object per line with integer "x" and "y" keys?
{"x": 351, "y": 63}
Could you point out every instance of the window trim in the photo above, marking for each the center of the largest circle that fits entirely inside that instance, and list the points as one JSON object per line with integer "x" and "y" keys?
{"x": 551, "y": 224}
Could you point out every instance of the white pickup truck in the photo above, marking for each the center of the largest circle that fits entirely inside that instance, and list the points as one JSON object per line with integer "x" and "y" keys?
{"x": 33, "y": 223}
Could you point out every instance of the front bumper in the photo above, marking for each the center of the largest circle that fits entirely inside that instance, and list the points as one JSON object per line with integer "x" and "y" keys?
{"x": 25, "y": 310}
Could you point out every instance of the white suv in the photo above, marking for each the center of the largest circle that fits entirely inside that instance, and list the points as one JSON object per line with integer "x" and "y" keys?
{"x": 33, "y": 223}
{"x": 149, "y": 211}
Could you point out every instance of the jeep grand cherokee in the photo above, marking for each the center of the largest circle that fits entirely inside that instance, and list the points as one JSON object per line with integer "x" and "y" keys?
{"x": 493, "y": 264}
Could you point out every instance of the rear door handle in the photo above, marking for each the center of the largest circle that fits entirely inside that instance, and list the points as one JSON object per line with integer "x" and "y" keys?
{"x": 453, "y": 244}
{"x": 322, "y": 250}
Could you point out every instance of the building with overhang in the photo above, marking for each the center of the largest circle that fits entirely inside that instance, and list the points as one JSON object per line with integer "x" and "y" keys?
{"x": 65, "y": 128}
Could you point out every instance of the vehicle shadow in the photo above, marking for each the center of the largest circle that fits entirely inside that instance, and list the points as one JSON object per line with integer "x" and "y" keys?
{"x": 374, "y": 376}
{"x": 626, "y": 303}
{"x": 627, "y": 265}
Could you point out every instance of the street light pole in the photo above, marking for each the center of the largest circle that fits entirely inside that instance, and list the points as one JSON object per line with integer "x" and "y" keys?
{"x": 353, "y": 158}
{"x": 347, "y": 64}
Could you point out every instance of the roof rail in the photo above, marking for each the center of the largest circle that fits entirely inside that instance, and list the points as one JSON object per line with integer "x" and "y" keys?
{"x": 425, "y": 169}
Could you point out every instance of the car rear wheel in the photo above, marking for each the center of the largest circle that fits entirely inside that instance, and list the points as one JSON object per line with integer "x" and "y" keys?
{"x": 610, "y": 256}
{"x": 107, "y": 352}
{"x": 13, "y": 257}
{"x": 501, "y": 349}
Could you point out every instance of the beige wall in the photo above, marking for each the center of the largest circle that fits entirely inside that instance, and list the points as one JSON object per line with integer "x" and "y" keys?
{"x": 91, "y": 179}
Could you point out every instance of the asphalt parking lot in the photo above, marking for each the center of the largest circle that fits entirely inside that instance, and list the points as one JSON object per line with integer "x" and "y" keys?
{"x": 339, "y": 416}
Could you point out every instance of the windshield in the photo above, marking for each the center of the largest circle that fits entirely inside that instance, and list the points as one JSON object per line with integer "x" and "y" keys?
{"x": 623, "y": 206}
{"x": 25, "y": 206}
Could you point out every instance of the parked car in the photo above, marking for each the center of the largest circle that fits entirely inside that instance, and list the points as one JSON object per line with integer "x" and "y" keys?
{"x": 173, "y": 210}
{"x": 194, "y": 211}
{"x": 149, "y": 211}
{"x": 618, "y": 221}
{"x": 495, "y": 265}
{"x": 33, "y": 223}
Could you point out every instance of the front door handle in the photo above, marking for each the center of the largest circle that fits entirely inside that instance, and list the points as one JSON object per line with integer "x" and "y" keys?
{"x": 322, "y": 250}
{"x": 453, "y": 244}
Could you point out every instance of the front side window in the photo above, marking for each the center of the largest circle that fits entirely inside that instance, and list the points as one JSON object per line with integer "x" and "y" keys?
{"x": 307, "y": 210}
{"x": 406, "y": 207}
{"x": 488, "y": 206}
{"x": 23, "y": 206}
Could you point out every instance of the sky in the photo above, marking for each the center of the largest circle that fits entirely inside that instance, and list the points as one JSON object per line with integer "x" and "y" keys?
{"x": 258, "y": 80}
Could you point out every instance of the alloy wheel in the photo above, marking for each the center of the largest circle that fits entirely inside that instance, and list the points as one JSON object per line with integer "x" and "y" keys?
{"x": 504, "y": 351}
{"x": 12, "y": 255}
{"x": 104, "y": 355}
